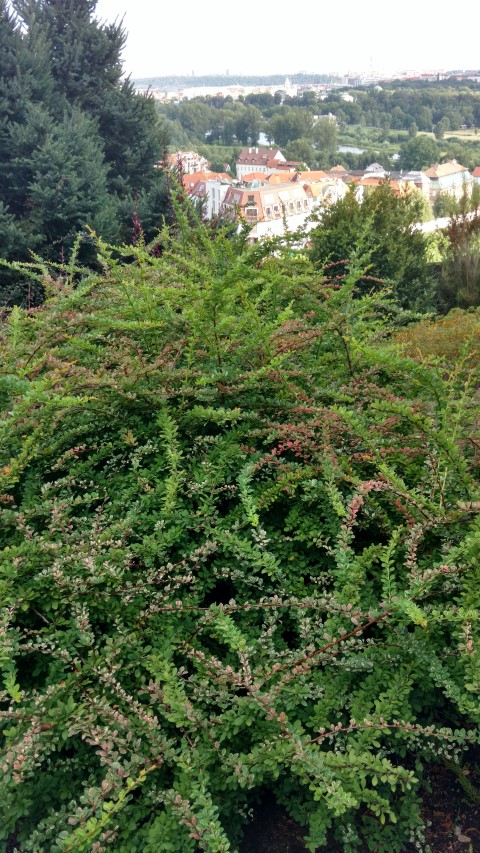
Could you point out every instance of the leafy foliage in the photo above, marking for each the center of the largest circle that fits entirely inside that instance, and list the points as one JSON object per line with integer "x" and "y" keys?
{"x": 239, "y": 545}
{"x": 418, "y": 153}
{"x": 380, "y": 230}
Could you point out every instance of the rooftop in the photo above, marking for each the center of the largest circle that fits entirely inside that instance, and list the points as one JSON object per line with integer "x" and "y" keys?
{"x": 191, "y": 179}
{"x": 253, "y": 176}
{"x": 313, "y": 175}
{"x": 259, "y": 156}
{"x": 441, "y": 170}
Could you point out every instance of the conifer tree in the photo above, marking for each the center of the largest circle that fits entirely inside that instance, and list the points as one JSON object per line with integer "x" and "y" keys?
{"x": 24, "y": 80}
{"x": 69, "y": 186}
{"x": 86, "y": 68}
{"x": 85, "y": 55}
{"x": 9, "y": 89}
{"x": 77, "y": 144}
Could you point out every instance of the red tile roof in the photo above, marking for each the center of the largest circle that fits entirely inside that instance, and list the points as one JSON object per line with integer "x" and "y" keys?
{"x": 254, "y": 176}
{"x": 398, "y": 187}
{"x": 191, "y": 179}
{"x": 313, "y": 175}
{"x": 257, "y": 156}
{"x": 280, "y": 177}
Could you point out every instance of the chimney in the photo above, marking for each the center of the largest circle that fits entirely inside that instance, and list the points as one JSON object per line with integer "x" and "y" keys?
{"x": 256, "y": 150}
{"x": 249, "y": 150}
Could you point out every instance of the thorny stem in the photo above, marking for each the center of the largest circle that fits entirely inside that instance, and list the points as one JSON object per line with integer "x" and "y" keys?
{"x": 357, "y": 630}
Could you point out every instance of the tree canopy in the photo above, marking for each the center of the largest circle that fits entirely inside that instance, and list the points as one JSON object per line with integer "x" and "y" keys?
{"x": 418, "y": 153}
{"x": 380, "y": 230}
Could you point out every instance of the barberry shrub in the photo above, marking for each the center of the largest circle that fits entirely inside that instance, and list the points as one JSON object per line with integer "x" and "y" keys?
{"x": 239, "y": 551}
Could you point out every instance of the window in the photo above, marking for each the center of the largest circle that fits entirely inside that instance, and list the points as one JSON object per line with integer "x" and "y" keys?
{"x": 251, "y": 212}
{"x": 251, "y": 199}
{"x": 268, "y": 211}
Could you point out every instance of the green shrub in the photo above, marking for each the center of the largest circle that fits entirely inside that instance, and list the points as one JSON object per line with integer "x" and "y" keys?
{"x": 239, "y": 549}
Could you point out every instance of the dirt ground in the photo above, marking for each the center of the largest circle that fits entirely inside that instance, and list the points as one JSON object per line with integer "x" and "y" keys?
{"x": 454, "y": 821}
{"x": 272, "y": 831}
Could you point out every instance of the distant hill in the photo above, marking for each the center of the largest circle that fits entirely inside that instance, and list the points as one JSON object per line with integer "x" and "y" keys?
{"x": 178, "y": 82}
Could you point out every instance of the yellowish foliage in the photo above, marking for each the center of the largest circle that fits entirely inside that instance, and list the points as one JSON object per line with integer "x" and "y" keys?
{"x": 451, "y": 338}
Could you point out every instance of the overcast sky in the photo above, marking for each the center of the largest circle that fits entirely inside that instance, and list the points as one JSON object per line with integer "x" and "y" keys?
{"x": 212, "y": 36}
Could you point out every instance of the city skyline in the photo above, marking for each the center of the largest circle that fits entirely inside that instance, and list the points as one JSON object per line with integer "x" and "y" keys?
{"x": 367, "y": 38}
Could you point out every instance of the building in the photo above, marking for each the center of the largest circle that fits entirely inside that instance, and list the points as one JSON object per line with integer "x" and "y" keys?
{"x": 338, "y": 171}
{"x": 264, "y": 160}
{"x": 321, "y": 187}
{"x": 188, "y": 161}
{"x": 417, "y": 179}
{"x": 212, "y": 193}
{"x": 377, "y": 170}
{"x": 237, "y": 90}
{"x": 476, "y": 174}
{"x": 399, "y": 186}
{"x": 190, "y": 180}
{"x": 268, "y": 208}
{"x": 271, "y": 207}
{"x": 208, "y": 187}
{"x": 251, "y": 177}
{"x": 450, "y": 177}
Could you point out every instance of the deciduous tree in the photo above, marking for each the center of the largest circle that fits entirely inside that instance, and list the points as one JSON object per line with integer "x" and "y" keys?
{"x": 381, "y": 230}
{"x": 418, "y": 153}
